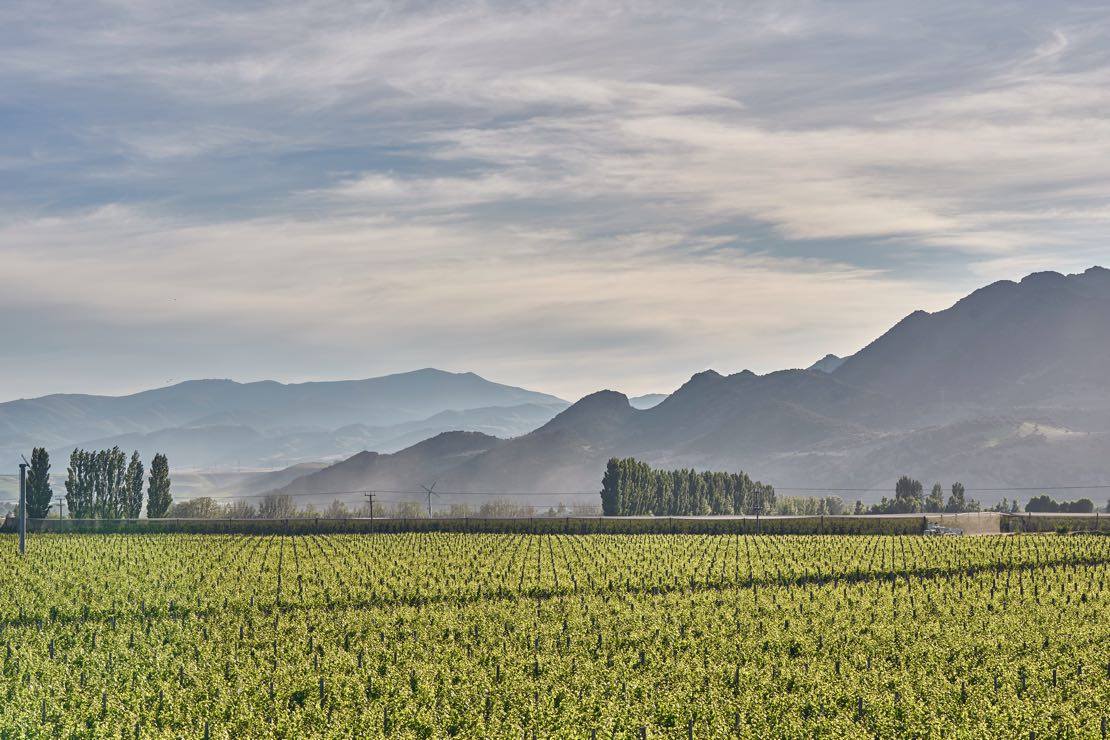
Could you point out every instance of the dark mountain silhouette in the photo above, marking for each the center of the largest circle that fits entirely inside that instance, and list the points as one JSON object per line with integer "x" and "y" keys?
{"x": 1009, "y": 387}
{"x": 1042, "y": 342}
{"x": 221, "y": 422}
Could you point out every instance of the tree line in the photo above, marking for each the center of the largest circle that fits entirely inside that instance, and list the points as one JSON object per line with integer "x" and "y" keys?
{"x": 633, "y": 488}
{"x": 910, "y": 498}
{"x": 630, "y": 487}
{"x": 1046, "y": 504}
{"x": 101, "y": 484}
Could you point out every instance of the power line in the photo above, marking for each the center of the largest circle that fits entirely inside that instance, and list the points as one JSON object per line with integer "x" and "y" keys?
{"x": 970, "y": 490}
{"x": 364, "y": 491}
{"x": 595, "y": 493}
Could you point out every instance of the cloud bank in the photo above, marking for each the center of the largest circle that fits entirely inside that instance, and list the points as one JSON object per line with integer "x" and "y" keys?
{"x": 562, "y": 195}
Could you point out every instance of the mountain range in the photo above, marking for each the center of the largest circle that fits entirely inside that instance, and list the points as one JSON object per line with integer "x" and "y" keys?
{"x": 205, "y": 424}
{"x": 1008, "y": 388}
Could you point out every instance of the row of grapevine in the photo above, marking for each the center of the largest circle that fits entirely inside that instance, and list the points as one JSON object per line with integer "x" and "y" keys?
{"x": 454, "y": 635}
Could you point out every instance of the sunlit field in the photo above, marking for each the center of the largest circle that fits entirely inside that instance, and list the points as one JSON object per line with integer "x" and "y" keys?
{"x": 483, "y": 635}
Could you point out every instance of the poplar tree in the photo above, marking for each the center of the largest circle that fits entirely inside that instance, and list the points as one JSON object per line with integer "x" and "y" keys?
{"x": 158, "y": 497}
{"x": 935, "y": 502}
{"x": 610, "y": 482}
{"x": 80, "y": 484}
{"x": 110, "y": 467}
{"x": 133, "y": 487}
{"x": 957, "y": 503}
{"x": 39, "y": 492}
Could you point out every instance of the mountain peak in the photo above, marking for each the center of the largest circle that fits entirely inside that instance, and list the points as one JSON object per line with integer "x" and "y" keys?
{"x": 1044, "y": 337}
{"x": 601, "y": 399}
{"x": 827, "y": 364}
{"x": 1046, "y": 278}
{"x": 451, "y": 443}
{"x": 594, "y": 415}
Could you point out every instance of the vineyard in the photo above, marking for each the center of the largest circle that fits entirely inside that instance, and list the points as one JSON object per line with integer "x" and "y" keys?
{"x": 555, "y": 635}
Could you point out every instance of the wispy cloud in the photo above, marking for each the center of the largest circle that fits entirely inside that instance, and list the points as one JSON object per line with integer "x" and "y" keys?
{"x": 379, "y": 293}
{"x": 569, "y": 194}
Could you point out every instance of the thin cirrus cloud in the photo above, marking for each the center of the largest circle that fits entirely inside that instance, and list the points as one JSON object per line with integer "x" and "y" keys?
{"x": 564, "y": 195}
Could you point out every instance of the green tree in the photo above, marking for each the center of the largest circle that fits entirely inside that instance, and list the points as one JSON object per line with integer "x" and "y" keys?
{"x": 39, "y": 492}
{"x": 610, "y": 484}
{"x": 79, "y": 485}
{"x": 908, "y": 496}
{"x": 110, "y": 467}
{"x": 158, "y": 498}
{"x": 632, "y": 488}
{"x": 133, "y": 487}
{"x": 935, "y": 501}
{"x": 957, "y": 503}
{"x": 1042, "y": 504}
{"x": 858, "y": 510}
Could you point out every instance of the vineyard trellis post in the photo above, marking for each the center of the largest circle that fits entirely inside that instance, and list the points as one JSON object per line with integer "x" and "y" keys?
{"x": 23, "y": 507}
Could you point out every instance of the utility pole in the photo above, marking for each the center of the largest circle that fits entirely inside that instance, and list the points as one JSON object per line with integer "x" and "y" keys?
{"x": 370, "y": 497}
{"x": 23, "y": 507}
{"x": 60, "y": 499}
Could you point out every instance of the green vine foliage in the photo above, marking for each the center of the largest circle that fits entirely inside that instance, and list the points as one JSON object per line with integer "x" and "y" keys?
{"x": 554, "y": 635}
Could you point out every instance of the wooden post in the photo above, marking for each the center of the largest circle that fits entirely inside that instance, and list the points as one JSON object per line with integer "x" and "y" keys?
{"x": 23, "y": 508}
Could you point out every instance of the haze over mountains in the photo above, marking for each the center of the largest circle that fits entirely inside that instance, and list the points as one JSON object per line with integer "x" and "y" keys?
{"x": 222, "y": 423}
{"x": 1008, "y": 387}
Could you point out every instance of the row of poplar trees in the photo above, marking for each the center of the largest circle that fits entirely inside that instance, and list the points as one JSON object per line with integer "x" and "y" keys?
{"x": 633, "y": 488}
{"x": 101, "y": 484}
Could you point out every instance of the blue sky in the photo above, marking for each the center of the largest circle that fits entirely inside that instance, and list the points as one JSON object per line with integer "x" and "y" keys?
{"x": 566, "y": 196}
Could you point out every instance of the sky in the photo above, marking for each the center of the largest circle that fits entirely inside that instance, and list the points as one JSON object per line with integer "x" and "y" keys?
{"x": 565, "y": 196}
